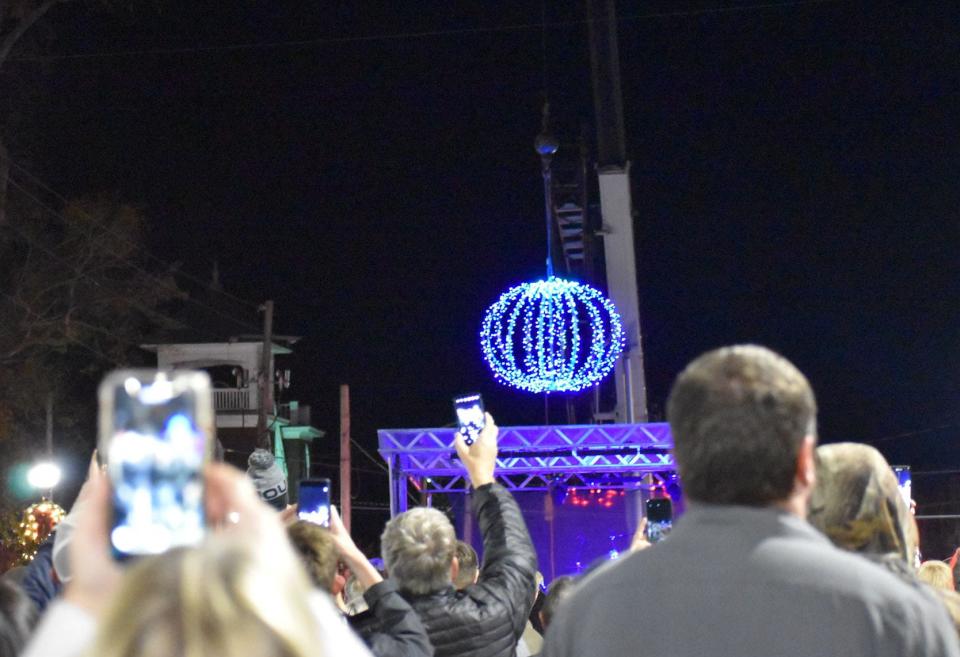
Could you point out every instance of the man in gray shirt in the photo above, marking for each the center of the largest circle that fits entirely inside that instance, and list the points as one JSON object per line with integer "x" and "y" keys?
{"x": 743, "y": 574}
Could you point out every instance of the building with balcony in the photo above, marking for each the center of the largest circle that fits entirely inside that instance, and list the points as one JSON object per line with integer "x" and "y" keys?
{"x": 233, "y": 362}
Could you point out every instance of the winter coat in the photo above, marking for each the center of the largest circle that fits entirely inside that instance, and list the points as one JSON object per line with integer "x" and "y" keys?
{"x": 487, "y": 618}
{"x": 399, "y": 632}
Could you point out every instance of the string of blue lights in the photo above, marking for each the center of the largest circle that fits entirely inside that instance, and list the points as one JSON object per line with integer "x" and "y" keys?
{"x": 552, "y": 317}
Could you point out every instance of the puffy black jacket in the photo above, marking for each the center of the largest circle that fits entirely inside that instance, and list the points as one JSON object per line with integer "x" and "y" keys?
{"x": 390, "y": 627}
{"x": 486, "y": 619}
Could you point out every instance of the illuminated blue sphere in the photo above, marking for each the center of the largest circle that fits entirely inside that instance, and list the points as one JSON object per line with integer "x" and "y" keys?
{"x": 551, "y": 335}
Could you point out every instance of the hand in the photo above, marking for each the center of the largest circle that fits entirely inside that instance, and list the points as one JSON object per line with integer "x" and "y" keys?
{"x": 366, "y": 574}
{"x": 232, "y": 505}
{"x": 640, "y": 541}
{"x": 341, "y": 537}
{"x": 94, "y": 471}
{"x": 289, "y": 515}
{"x": 480, "y": 458}
{"x": 93, "y": 468}
{"x": 94, "y": 573}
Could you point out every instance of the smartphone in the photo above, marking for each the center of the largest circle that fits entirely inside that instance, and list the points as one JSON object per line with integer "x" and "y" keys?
{"x": 470, "y": 418}
{"x": 314, "y": 503}
{"x": 156, "y": 436}
{"x": 659, "y": 518}
{"x": 905, "y": 483}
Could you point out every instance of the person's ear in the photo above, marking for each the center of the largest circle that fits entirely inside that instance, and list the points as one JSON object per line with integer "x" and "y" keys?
{"x": 454, "y": 570}
{"x": 806, "y": 475}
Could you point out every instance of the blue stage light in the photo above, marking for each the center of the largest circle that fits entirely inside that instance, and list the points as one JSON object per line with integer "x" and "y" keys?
{"x": 551, "y": 335}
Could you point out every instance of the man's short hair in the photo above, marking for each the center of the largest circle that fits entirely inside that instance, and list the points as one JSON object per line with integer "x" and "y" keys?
{"x": 738, "y": 417}
{"x": 317, "y": 551}
{"x": 469, "y": 565}
{"x": 417, "y": 548}
{"x": 559, "y": 590}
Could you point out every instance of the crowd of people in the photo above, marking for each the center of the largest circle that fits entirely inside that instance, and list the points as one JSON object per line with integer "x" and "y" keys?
{"x": 785, "y": 549}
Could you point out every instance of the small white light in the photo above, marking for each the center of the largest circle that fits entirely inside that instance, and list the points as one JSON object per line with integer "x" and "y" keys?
{"x": 44, "y": 475}
{"x": 132, "y": 386}
{"x": 233, "y": 517}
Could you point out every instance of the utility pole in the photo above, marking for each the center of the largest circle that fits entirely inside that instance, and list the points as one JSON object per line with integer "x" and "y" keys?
{"x": 265, "y": 379}
{"x": 616, "y": 206}
{"x": 345, "y": 456}
{"x": 49, "y": 436}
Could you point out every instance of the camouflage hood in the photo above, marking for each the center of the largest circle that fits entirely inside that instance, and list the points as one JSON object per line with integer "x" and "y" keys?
{"x": 856, "y": 502}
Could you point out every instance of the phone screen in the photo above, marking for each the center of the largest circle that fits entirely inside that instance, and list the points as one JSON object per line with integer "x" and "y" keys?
{"x": 314, "y": 503}
{"x": 155, "y": 432}
{"x": 470, "y": 418}
{"x": 905, "y": 483}
{"x": 659, "y": 518}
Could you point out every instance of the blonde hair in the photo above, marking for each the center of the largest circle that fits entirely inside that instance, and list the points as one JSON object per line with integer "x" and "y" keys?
{"x": 418, "y": 547}
{"x": 221, "y": 598}
{"x": 937, "y": 574}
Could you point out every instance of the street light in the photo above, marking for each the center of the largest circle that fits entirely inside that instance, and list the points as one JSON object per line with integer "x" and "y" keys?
{"x": 44, "y": 475}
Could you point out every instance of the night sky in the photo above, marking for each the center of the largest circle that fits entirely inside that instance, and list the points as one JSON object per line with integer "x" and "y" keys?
{"x": 795, "y": 171}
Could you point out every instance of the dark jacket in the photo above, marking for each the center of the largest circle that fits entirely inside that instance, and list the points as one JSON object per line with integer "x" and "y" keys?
{"x": 394, "y": 630}
{"x": 487, "y": 618}
{"x": 39, "y": 582}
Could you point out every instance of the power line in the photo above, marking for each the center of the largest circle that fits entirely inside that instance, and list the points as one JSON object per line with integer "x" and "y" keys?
{"x": 911, "y": 434}
{"x": 60, "y": 197}
{"x": 75, "y": 341}
{"x": 363, "y": 451}
{"x": 403, "y": 36}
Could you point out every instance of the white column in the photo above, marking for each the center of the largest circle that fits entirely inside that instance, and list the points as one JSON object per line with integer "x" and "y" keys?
{"x": 621, "y": 263}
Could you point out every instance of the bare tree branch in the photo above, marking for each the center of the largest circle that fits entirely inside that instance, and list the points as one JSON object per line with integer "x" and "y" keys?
{"x": 4, "y": 179}
{"x": 10, "y": 39}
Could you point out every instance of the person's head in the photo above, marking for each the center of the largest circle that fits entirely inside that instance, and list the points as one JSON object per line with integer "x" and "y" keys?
{"x": 222, "y": 598}
{"x": 744, "y": 422}
{"x": 937, "y": 574}
{"x": 468, "y": 566}
{"x": 559, "y": 590}
{"x": 857, "y": 503}
{"x": 17, "y": 616}
{"x": 268, "y": 478}
{"x": 317, "y": 551}
{"x": 418, "y": 548}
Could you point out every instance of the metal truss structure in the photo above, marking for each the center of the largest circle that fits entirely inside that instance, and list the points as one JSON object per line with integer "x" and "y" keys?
{"x": 531, "y": 458}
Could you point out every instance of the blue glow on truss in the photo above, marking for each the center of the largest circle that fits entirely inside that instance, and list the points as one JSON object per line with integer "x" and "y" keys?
{"x": 551, "y": 335}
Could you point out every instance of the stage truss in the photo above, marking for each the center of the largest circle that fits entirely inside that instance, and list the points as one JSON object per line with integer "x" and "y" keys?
{"x": 596, "y": 456}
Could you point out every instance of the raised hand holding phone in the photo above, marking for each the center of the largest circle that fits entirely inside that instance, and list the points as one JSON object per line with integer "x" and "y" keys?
{"x": 314, "y": 504}
{"x": 479, "y": 458}
{"x": 470, "y": 416}
{"x": 232, "y": 505}
{"x": 639, "y": 540}
{"x": 356, "y": 560}
{"x": 659, "y": 518}
{"x": 156, "y": 433}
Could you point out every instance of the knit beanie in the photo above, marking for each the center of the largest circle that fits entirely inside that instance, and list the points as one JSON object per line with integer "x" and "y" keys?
{"x": 268, "y": 478}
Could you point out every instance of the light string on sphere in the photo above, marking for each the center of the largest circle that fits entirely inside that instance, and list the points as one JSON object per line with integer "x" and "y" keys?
{"x": 553, "y": 334}
{"x": 533, "y": 336}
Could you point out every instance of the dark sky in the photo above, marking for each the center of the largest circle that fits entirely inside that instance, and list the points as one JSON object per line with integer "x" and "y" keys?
{"x": 796, "y": 178}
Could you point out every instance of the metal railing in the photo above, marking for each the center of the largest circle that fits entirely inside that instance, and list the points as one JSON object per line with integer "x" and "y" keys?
{"x": 234, "y": 399}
